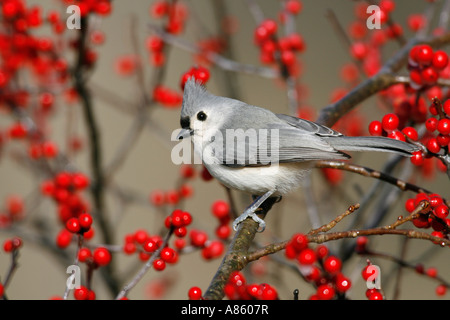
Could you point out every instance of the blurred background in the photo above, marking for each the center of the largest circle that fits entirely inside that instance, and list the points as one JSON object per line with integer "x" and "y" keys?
{"x": 148, "y": 166}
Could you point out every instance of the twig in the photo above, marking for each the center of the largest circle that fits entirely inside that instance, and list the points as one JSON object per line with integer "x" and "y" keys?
{"x": 126, "y": 289}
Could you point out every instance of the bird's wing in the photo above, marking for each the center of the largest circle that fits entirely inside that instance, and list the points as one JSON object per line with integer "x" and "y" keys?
{"x": 290, "y": 140}
{"x": 309, "y": 126}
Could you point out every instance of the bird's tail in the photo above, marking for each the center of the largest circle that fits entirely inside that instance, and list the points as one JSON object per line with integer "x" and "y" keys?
{"x": 380, "y": 144}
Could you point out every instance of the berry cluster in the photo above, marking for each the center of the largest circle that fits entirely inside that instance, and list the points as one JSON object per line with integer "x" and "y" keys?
{"x": 326, "y": 275}
{"x": 99, "y": 258}
{"x": 432, "y": 272}
{"x": 65, "y": 189}
{"x": 100, "y": 7}
{"x": 176, "y": 14}
{"x": 434, "y": 216}
{"x": 155, "y": 46}
{"x": 10, "y": 245}
{"x": 425, "y": 65}
{"x": 143, "y": 243}
{"x": 13, "y": 211}
{"x": 273, "y": 49}
{"x": 160, "y": 198}
{"x": 437, "y": 137}
{"x": 169, "y": 98}
{"x": 221, "y": 210}
{"x": 371, "y": 294}
{"x": 237, "y": 289}
{"x": 83, "y": 293}
{"x": 201, "y": 74}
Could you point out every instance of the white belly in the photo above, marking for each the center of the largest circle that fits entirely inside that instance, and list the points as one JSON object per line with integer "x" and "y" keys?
{"x": 284, "y": 177}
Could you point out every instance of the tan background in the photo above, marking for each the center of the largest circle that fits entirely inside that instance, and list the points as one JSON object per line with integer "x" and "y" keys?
{"x": 149, "y": 167}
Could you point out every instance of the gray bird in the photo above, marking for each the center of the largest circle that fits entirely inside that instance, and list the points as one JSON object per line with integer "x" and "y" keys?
{"x": 254, "y": 150}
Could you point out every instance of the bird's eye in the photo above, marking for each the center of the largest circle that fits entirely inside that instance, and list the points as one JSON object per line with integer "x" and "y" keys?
{"x": 201, "y": 116}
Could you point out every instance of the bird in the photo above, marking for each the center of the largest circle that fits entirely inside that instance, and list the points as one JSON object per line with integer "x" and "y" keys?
{"x": 259, "y": 152}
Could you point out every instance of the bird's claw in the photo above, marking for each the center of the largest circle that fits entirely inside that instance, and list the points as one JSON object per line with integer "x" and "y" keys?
{"x": 249, "y": 214}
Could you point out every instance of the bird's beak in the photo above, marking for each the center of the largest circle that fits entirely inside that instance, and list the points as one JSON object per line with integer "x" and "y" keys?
{"x": 184, "y": 133}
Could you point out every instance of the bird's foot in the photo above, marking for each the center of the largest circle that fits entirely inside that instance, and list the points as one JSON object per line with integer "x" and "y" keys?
{"x": 249, "y": 214}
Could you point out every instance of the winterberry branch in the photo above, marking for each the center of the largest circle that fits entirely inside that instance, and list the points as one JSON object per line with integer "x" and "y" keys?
{"x": 330, "y": 114}
{"x": 235, "y": 258}
{"x": 97, "y": 187}
{"x": 215, "y": 58}
{"x": 130, "y": 285}
{"x": 368, "y": 172}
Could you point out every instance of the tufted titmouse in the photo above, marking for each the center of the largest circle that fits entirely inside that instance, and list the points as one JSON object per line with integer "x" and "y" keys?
{"x": 254, "y": 150}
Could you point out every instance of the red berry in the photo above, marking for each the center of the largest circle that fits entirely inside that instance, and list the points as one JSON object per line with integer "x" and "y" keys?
{"x": 375, "y": 128}
{"x": 140, "y": 236}
{"x": 342, "y": 283}
{"x": 375, "y": 296}
{"x": 8, "y": 245}
{"x": 157, "y": 198}
{"x": 129, "y": 248}
{"x": 64, "y": 238}
{"x": 85, "y": 220}
{"x": 299, "y": 241}
{"x": 49, "y": 149}
{"x": 159, "y": 265}
{"x": 321, "y": 251}
{"x": 440, "y": 60}
{"x": 220, "y": 209}
{"x": 390, "y": 122}
{"x": 102, "y": 257}
{"x": 431, "y": 124}
{"x": 366, "y": 274}
{"x": 397, "y": 135}
{"x": 177, "y": 218}
{"x": 307, "y": 256}
{"x": 268, "y": 292}
{"x": 432, "y": 272}
{"x": 84, "y": 254}
{"x": 223, "y": 231}
{"x": 180, "y": 232}
{"x": 149, "y": 246}
{"x": 429, "y": 76}
{"x": 446, "y": 107}
{"x": 433, "y": 146}
{"x": 270, "y": 25}
{"x": 409, "y": 205}
{"x": 167, "y": 255}
{"x": 80, "y": 181}
{"x": 81, "y": 293}
{"x": 294, "y": 6}
{"x": 359, "y": 50}
{"x": 424, "y": 55}
{"x": 441, "y": 290}
{"x": 195, "y": 293}
{"x": 198, "y": 238}
{"x": 441, "y": 211}
{"x": 213, "y": 250}
{"x": 444, "y": 126}
{"x": 325, "y": 292}
{"x": 73, "y": 225}
{"x": 411, "y": 133}
{"x": 443, "y": 140}
{"x": 288, "y": 57}
{"x": 332, "y": 264}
